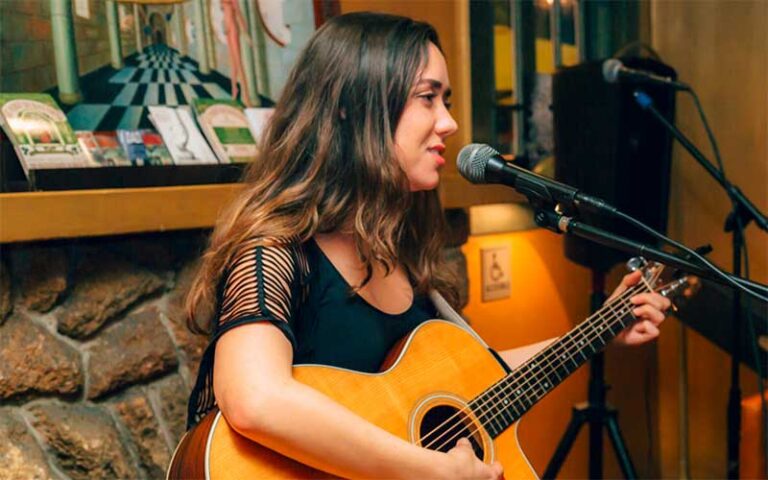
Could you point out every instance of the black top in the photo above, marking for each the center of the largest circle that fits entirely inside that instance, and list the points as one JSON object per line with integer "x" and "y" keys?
{"x": 297, "y": 288}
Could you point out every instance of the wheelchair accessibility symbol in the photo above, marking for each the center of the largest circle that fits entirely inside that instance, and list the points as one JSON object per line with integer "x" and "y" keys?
{"x": 495, "y": 273}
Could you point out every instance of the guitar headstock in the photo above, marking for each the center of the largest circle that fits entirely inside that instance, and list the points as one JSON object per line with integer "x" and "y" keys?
{"x": 670, "y": 283}
{"x": 651, "y": 270}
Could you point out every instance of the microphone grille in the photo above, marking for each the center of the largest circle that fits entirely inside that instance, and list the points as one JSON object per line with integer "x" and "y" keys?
{"x": 472, "y": 160}
{"x": 611, "y": 69}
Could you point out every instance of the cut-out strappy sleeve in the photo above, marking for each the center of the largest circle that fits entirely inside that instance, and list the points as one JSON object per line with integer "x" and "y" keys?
{"x": 263, "y": 283}
{"x": 260, "y": 285}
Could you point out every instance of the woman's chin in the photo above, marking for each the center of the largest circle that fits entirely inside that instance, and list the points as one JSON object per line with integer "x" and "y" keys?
{"x": 425, "y": 186}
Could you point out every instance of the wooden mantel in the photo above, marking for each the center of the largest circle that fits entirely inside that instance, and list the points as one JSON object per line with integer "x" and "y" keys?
{"x": 30, "y": 216}
{"x": 78, "y": 213}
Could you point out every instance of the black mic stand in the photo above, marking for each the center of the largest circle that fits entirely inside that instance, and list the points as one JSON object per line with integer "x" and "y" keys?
{"x": 558, "y": 223}
{"x": 743, "y": 211}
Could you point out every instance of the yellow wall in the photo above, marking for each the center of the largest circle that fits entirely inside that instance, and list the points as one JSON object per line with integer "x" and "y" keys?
{"x": 721, "y": 48}
{"x": 504, "y": 57}
{"x": 547, "y": 294}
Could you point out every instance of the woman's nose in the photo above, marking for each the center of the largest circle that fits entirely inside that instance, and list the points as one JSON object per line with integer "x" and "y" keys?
{"x": 446, "y": 125}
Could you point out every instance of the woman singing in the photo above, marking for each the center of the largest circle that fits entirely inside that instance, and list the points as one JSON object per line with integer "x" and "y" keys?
{"x": 329, "y": 253}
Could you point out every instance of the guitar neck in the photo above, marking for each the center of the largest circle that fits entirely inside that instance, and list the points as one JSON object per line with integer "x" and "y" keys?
{"x": 505, "y": 402}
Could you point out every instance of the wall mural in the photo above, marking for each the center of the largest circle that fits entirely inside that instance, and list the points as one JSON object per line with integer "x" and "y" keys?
{"x": 105, "y": 62}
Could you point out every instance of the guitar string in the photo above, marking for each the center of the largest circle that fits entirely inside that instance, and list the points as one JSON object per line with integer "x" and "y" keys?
{"x": 581, "y": 329}
{"x": 513, "y": 379}
{"x": 585, "y": 331}
{"x": 583, "y": 336}
{"x": 577, "y": 334}
{"x": 526, "y": 366}
{"x": 464, "y": 428}
{"x": 520, "y": 372}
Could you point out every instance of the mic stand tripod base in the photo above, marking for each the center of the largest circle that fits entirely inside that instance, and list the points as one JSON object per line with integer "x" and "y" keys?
{"x": 597, "y": 414}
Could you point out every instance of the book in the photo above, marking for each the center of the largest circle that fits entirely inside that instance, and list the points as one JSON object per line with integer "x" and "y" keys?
{"x": 225, "y": 126}
{"x": 144, "y": 147}
{"x": 181, "y": 136}
{"x": 157, "y": 152}
{"x": 133, "y": 145}
{"x": 103, "y": 148}
{"x": 40, "y": 133}
{"x": 257, "y": 121}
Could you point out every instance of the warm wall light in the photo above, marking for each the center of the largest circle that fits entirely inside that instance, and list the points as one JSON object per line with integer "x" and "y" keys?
{"x": 548, "y": 3}
{"x": 500, "y": 218}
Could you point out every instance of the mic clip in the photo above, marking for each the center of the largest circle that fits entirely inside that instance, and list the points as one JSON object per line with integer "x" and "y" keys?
{"x": 552, "y": 218}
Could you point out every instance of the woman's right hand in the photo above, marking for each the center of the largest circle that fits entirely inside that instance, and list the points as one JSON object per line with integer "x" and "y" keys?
{"x": 466, "y": 465}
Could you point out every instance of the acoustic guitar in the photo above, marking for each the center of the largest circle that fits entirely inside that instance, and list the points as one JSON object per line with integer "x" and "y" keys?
{"x": 438, "y": 385}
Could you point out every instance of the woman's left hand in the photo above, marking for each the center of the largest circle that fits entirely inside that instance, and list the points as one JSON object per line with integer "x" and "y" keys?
{"x": 649, "y": 309}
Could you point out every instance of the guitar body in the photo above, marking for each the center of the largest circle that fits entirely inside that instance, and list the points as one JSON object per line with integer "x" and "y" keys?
{"x": 439, "y": 368}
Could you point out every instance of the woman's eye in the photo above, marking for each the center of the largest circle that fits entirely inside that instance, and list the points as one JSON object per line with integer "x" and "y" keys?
{"x": 430, "y": 97}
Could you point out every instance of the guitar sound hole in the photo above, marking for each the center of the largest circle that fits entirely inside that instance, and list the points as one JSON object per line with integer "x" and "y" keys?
{"x": 441, "y": 427}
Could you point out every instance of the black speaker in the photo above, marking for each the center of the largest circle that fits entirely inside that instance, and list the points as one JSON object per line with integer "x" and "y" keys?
{"x": 607, "y": 146}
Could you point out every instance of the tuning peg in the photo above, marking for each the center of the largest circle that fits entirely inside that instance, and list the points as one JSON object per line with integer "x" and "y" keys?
{"x": 636, "y": 263}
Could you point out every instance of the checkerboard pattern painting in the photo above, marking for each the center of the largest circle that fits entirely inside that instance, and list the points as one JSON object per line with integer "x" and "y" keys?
{"x": 118, "y": 99}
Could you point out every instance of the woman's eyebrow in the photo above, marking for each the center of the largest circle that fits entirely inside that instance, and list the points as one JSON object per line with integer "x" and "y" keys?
{"x": 436, "y": 84}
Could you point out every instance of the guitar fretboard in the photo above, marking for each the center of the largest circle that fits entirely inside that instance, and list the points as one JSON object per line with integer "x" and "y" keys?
{"x": 506, "y": 401}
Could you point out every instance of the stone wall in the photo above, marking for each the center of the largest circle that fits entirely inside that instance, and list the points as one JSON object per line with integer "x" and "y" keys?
{"x": 96, "y": 362}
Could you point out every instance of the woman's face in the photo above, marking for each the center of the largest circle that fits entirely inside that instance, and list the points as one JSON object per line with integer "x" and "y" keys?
{"x": 425, "y": 124}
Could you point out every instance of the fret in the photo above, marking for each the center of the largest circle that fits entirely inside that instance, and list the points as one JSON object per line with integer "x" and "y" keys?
{"x": 553, "y": 376}
{"x": 600, "y": 329}
{"x": 507, "y": 416}
{"x": 615, "y": 328}
{"x": 546, "y": 384}
{"x": 583, "y": 356}
{"x": 495, "y": 408}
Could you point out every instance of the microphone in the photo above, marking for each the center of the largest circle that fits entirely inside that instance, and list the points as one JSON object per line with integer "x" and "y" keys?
{"x": 615, "y": 72}
{"x": 480, "y": 163}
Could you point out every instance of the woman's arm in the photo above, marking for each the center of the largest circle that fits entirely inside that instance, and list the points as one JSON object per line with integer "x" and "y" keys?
{"x": 260, "y": 399}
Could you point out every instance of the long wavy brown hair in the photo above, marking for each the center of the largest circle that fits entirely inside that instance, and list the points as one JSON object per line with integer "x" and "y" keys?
{"x": 327, "y": 161}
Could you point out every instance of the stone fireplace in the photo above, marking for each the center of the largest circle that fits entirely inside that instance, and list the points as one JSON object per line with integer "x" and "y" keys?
{"x": 96, "y": 361}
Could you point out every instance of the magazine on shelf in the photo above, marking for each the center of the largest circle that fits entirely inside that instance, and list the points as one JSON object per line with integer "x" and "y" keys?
{"x": 224, "y": 124}
{"x": 144, "y": 147}
{"x": 257, "y": 120}
{"x": 40, "y": 132}
{"x": 183, "y": 139}
{"x": 157, "y": 152}
{"x": 103, "y": 148}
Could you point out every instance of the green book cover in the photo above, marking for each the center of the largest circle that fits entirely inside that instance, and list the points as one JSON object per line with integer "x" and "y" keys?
{"x": 40, "y": 132}
{"x": 224, "y": 124}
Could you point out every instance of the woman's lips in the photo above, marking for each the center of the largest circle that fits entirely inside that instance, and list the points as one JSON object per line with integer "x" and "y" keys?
{"x": 437, "y": 152}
